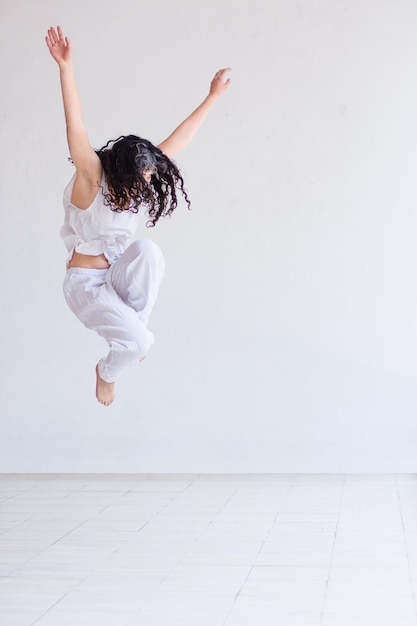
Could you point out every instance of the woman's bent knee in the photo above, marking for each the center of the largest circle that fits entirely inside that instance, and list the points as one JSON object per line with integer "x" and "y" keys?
{"x": 146, "y": 248}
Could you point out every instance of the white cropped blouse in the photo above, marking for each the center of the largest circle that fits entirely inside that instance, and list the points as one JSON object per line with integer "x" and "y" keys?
{"x": 97, "y": 229}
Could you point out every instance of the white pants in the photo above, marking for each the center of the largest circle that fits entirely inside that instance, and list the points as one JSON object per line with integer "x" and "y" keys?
{"x": 117, "y": 302}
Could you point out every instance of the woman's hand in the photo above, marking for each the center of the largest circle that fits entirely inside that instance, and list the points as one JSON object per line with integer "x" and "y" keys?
{"x": 59, "y": 46}
{"x": 218, "y": 85}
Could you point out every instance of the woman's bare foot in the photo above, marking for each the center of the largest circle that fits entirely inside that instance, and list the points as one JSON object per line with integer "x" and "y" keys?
{"x": 104, "y": 391}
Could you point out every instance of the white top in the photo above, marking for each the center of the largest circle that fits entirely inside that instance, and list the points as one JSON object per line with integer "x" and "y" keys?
{"x": 97, "y": 229}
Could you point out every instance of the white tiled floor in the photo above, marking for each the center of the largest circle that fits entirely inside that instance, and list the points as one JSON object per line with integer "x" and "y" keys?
{"x": 208, "y": 550}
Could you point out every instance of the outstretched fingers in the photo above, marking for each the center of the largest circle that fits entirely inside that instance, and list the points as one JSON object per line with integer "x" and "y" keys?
{"x": 52, "y": 35}
{"x": 48, "y": 39}
{"x": 221, "y": 73}
{"x": 55, "y": 36}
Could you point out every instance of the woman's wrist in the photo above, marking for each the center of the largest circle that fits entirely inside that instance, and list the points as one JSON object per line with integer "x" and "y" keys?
{"x": 213, "y": 96}
{"x": 64, "y": 65}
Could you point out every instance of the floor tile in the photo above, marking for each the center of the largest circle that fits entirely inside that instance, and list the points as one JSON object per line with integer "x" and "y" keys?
{"x": 208, "y": 550}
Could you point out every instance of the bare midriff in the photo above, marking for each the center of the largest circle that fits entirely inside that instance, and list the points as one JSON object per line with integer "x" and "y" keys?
{"x": 98, "y": 262}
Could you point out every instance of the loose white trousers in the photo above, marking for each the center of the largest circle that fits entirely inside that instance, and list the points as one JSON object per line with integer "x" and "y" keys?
{"x": 117, "y": 302}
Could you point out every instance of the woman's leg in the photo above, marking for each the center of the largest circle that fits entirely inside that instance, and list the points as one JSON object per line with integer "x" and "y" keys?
{"x": 136, "y": 276}
{"x": 100, "y": 308}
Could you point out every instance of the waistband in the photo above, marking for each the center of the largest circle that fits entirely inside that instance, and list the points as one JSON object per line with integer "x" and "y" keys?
{"x": 86, "y": 270}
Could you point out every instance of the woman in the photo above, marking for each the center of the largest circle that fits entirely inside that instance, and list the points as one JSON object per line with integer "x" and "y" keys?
{"x": 111, "y": 286}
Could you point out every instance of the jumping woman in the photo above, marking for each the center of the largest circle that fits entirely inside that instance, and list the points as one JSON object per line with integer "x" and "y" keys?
{"x": 111, "y": 286}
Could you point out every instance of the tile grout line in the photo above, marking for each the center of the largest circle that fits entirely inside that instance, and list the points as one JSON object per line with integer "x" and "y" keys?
{"x": 406, "y": 546}
{"x": 331, "y": 556}
{"x": 259, "y": 551}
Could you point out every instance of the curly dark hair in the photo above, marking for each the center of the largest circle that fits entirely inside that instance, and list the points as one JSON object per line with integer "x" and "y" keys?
{"x": 126, "y": 161}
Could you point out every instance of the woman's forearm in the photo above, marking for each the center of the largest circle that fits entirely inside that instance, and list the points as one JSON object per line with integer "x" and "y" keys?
{"x": 70, "y": 95}
{"x": 183, "y": 134}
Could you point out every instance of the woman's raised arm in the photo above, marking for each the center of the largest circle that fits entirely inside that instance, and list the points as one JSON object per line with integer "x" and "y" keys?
{"x": 85, "y": 159}
{"x": 183, "y": 134}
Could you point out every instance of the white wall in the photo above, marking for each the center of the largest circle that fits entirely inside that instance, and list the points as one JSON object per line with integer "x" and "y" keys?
{"x": 286, "y": 327}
